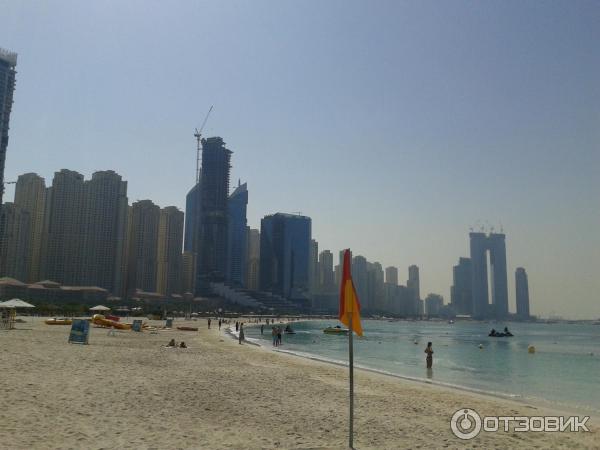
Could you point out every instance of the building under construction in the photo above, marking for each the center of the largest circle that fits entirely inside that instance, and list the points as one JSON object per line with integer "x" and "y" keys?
{"x": 214, "y": 192}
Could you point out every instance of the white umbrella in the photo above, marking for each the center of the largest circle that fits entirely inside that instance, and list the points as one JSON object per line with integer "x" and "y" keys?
{"x": 100, "y": 308}
{"x": 16, "y": 303}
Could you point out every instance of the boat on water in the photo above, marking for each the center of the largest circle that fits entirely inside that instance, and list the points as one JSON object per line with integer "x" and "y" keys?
{"x": 335, "y": 330}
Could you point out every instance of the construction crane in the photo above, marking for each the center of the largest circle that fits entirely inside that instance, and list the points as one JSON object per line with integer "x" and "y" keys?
{"x": 198, "y": 136}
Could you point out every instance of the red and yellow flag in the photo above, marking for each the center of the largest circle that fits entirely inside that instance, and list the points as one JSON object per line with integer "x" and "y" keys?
{"x": 349, "y": 304}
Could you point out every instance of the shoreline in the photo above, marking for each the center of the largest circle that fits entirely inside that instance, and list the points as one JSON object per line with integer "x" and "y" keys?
{"x": 548, "y": 405}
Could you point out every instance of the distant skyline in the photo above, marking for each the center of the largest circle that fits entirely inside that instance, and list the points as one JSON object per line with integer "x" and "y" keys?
{"x": 395, "y": 126}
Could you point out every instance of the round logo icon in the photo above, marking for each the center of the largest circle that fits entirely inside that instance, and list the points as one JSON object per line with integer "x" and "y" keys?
{"x": 465, "y": 424}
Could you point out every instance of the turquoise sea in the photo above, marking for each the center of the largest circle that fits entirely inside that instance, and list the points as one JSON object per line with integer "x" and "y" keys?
{"x": 564, "y": 371}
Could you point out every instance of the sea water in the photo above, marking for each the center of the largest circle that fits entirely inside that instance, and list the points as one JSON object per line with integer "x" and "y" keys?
{"x": 563, "y": 371}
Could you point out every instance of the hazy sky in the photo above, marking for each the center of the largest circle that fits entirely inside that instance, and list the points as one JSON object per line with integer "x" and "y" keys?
{"x": 395, "y": 125}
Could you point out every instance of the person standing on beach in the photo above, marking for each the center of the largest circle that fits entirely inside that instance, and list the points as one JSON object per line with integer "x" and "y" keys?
{"x": 278, "y": 336}
{"x": 241, "y": 336}
{"x": 237, "y": 326}
{"x": 219, "y": 324}
{"x": 209, "y": 323}
{"x": 274, "y": 336}
{"x": 262, "y": 327}
{"x": 429, "y": 352}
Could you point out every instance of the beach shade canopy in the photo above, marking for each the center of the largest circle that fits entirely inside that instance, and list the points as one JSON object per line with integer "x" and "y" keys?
{"x": 100, "y": 308}
{"x": 16, "y": 303}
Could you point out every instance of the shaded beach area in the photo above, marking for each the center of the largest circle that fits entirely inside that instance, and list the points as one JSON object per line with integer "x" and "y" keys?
{"x": 126, "y": 390}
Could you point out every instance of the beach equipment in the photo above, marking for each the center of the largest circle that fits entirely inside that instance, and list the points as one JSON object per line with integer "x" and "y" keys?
{"x": 16, "y": 303}
{"x": 9, "y": 315}
{"x": 99, "y": 319}
{"x": 187, "y": 328}
{"x": 58, "y": 321}
{"x": 531, "y": 349}
{"x": 80, "y": 332}
{"x": 100, "y": 308}
{"x": 349, "y": 315}
{"x": 336, "y": 330}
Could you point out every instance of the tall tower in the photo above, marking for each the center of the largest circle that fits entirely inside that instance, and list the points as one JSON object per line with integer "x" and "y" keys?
{"x": 460, "y": 293}
{"x": 8, "y": 63}
{"x": 238, "y": 234}
{"x": 30, "y": 195}
{"x": 214, "y": 188}
{"x": 497, "y": 247}
{"x": 522, "y": 291}
{"x": 14, "y": 242}
{"x": 414, "y": 287}
{"x": 391, "y": 275}
{"x": 105, "y": 226}
{"x": 253, "y": 266}
{"x": 284, "y": 255}
{"x": 142, "y": 238}
{"x": 326, "y": 275}
{"x": 479, "y": 274}
{"x": 169, "y": 258}
{"x": 63, "y": 243}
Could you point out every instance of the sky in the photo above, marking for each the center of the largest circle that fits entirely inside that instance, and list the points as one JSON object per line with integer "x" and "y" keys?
{"x": 396, "y": 126}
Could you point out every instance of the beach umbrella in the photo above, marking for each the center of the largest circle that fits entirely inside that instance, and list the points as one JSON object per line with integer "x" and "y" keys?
{"x": 16, "y": 303}
{"x": 100, "y": 308}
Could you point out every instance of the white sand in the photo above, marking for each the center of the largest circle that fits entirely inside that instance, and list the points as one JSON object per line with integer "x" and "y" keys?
{"x": 128, "y": 391}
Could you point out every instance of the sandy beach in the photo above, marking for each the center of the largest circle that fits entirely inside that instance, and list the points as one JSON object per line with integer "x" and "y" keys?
{"x": 129, "y": 391}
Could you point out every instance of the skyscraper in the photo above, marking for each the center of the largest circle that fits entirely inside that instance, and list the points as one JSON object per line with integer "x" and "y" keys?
{"x": 214, "y": 187}
{"x": 326, "y": 275}
{"x": 375, "y": 292}
{"x": 360, "y": 278}
{"x": 433, "y": 305}
{"x": 522, "y": 292}
{"x": 414, "y": 286}
{"x": 189, "y": 272}
{"x": 169, "y": 260}
{"x": 253, "y": 266}
{"x": 30, "y": 195}
{"x": 480, "y": 244}
{"x": 313, "y": 269}
{"x": 14, "y": 242}
{"x": 391, "y": 275}
{"x": 142, "y": 246}
{"x": 238, "y": 234}
{"x": 8, "y": 63}
{"x": 460, "y": 293}
{"x": 193, "y": 205}
{"x": 63, "y": 238}
{"x": 105, "y": 227}
{"x": 284, "y": 255}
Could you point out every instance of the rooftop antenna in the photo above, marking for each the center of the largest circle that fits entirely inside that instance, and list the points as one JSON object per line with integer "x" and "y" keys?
{"x": 198, "y": 136}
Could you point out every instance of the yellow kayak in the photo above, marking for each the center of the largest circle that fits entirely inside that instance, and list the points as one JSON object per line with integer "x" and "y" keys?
{"x": 335, "y": 330}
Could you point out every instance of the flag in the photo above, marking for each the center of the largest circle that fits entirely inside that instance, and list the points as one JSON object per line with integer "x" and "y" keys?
{"x": 349, "y": 303}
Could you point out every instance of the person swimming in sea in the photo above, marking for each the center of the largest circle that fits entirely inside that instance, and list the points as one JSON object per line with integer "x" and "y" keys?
{"x": 429, "y": 352}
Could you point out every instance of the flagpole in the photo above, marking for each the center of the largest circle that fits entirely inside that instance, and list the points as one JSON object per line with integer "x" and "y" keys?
{"x": 351, "y": 367}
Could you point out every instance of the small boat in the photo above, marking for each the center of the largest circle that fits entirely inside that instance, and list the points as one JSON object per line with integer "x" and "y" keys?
{"x": 336, "y": 330}
{"x": 187, "y": 328}
{"x": 58, "y": 321}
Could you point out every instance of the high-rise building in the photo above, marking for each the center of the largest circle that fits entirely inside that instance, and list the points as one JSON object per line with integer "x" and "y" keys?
{"x": 313, "y": 269}
{"x": 433, "y": 305}
{"x": 63, "y": 251}
{"x": 8, "y": 63}
{"x": 480, "y": 244}
{"x": 375, "y": 291}
{"x": 284, "y": 255}
{"x": 253, "y": 266}
{"x": 522, "y": 291}
{"x": 360, "y": 279}
{"x": 14, "y": 242}
{"x": 214, "y": 187}
{"x": 414, "y": 285}
{"x": 104, "y": 231}
{"x": 461, "y": 297}
{"x": 189, "y": 272}
{"x": 169, "y": 260}
{"x": 142, "y": 246}
{"x": 326, "y": 275}
{"x": 238, "y": 234}
{"x": 193, "y": 205}
{"x": 391, "y": 275}
{"x": 30, "y": 195}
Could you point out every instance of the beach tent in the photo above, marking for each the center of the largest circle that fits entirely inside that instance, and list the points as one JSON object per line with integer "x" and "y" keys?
{"x": 8, "y": 319}
{"x": 100, "y": 308}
